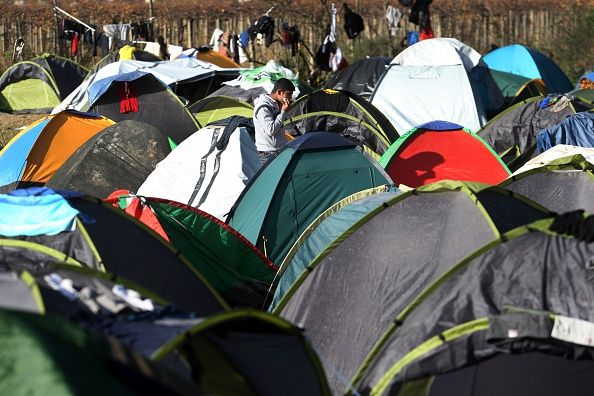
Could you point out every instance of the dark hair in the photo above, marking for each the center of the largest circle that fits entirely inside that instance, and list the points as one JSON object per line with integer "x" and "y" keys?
{"x": 283, "y": 84}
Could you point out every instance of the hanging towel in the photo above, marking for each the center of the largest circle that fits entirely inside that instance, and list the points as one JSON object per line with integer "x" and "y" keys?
{"x": 128, "y": 101}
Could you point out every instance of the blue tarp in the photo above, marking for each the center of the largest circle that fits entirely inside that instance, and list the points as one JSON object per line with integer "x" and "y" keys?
{"x": 35, "y": 211}
{"x": 576, "y": 130}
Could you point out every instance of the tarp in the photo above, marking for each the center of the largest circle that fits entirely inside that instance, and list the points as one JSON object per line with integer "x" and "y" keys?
{"x": 199, "y": 174}
{"x": 265, "y": 77}
{"x": 575, "y": 130}
{"x": 351, "y": 293}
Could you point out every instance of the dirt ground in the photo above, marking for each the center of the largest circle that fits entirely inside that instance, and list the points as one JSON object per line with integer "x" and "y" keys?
{"x": 10, "y": 125}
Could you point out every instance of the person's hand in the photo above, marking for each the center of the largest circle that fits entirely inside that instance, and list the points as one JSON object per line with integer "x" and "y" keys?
{"x": 286, "y": 104}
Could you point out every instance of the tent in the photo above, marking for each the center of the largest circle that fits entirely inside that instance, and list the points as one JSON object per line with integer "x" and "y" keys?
{"x": 563, "y": 182}
{"x": 232, "y": 265}
{"x": 352, "y": 291}
{"x": 515, "y": 88}
{"x": 359, "y": 77}
{"x": 246, "y": 353}
{"x": 38, "y": 85}
{"x": 208, "y": 171}
{"x": 442, "y": 150}
{"x": 436, "y": 79}
{"x": 575, "y": 130}
{"x": 586, "y": 95}
{"x": 216, "y": 108}
{"x": 50, "y": 355}
{"x": 530, "y": 63}
{"x": 121, "y": 156}
{"x": 37, "y": 152}
{"x": 512, "y": 134}
{"x": 476, "y": 316}
{"x": 87, "y": 231}
{"x": 324, "y": 230}
{"x": 264, "y": 77}
{"x": 310, "y": 174}
{"x": 206, "y": 54}
{"x": 157, "y": 105}
{"x": 344, "y": 113}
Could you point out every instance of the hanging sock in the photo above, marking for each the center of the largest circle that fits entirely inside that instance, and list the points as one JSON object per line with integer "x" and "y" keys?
{"x": 128, "y": 101}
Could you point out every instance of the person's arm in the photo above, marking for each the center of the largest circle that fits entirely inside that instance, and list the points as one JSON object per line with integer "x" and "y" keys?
{"x": 272, "y": 125}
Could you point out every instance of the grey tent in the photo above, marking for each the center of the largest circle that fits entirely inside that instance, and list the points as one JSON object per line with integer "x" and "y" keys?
{"x": 121, "y": 156}
{"x": 562, "y": 185}
{"x": 525, "y": 293}
{"x": 359, "y": 77}
{"x": 246, "y": 353}
{"x": 351, "y": 292}
{"x": 512, "y": 134}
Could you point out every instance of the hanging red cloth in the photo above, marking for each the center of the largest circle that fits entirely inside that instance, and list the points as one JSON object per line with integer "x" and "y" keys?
{"x": 74, "y": 47}
{"x": 128, "y": 101}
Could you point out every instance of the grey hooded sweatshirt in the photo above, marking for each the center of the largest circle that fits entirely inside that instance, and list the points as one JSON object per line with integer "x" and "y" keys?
{"x": 268, "y": 123}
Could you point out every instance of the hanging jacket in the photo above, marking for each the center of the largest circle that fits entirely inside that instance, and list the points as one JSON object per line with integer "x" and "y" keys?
{"x": 353, "y": 23}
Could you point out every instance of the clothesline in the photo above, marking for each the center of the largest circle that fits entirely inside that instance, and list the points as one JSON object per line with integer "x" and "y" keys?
{"x": 74, "y": 18}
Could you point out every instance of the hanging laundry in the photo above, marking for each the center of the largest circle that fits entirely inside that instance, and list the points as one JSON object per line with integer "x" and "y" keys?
{"x": 353, "y": 22}
{"x": 214, "y": 39}
{"x": 128, "y": 100}
{"x": 264, "y": 26}
{"x": 328, "y": 46}
{"x": 74, "y": 46}
{"x": 393, "y": 15}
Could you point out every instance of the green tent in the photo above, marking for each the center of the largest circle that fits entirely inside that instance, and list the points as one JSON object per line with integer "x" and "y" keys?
{"x": 516, "y": 88}
{"x": 309, "y": 175}
{"x": 46, "y": 355}
{"x": 587, "y": 95}
{"x": 40, "y": 84}
{"x": 230, "y": 263}
{"x": 216, "y": 108}
{"x": 246, "y": 353}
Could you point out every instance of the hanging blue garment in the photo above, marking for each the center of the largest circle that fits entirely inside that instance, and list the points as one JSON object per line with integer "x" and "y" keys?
{"x": 576, "y": 130}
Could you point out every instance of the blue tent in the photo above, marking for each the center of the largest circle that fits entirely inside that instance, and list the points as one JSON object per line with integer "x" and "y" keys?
{"x": 575, "y": 130}
{"x": 528, "y": 62}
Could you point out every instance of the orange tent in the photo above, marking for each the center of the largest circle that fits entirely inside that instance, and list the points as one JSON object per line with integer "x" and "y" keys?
{"x": 60, "y": 137}
{"x": 216, "y": 59}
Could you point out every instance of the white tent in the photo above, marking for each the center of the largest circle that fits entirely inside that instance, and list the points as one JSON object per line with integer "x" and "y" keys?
{"x": 554, "y": 153}
{"x": 197, "y": 173}
{"x": 429, "y": 81}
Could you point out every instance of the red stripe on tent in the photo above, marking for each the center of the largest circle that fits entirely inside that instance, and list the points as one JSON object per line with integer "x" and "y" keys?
{"x": 431, "y": 156}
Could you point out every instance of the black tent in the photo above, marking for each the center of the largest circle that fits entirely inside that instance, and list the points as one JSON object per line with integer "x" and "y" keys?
{"x": 528, "y": 292}
{"x": 121, "y": 156}
{"x": 359, "y": 77}
{"x": 157, "y": 106}
{"x": 353, "y": 290}
{"x": 512, "y": 134}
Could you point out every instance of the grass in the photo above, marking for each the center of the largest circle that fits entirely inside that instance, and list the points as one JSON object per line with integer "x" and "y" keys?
{"x": 10, "y": 125}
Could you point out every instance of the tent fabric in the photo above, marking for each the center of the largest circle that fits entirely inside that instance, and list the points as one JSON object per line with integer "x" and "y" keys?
{"x": 200, "y": 175}
{"x": 114, "y": 56}
{"x": 122, "y": 246}
{"x": 440, "y": 151}
{"x": 323, "y": 231}
{"x": 342, "y": 113}
{"x": 587, "y": 95}
{"x": 588, "y": 76}
{"x": 52, "y": 355}
{"x": 512, "y": 134}
{"x": 121, "y": 156}
{"x": 248, "y": 353}
{"x": 42, "y": 212}
{"x": 215, "y": 108}
{"x": 359, "y": 77}
{"x": 35, "y": 154}
{"x": 465, "y": 317}
{"x": 265, "y": 77}
{"x": 515, "y": 88}
{"x": 312, "y": 173}
{"x": 556, "y": 153}
{"x": 575, "y": 130}
{"x": 351, "y": 293}
{"x": 157, "y": 106}
{"x": 39, "y": 84}
{"x": 232, "y": 265}
{"x": 561, "y": 185}
{"x": 528, "y": 62}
